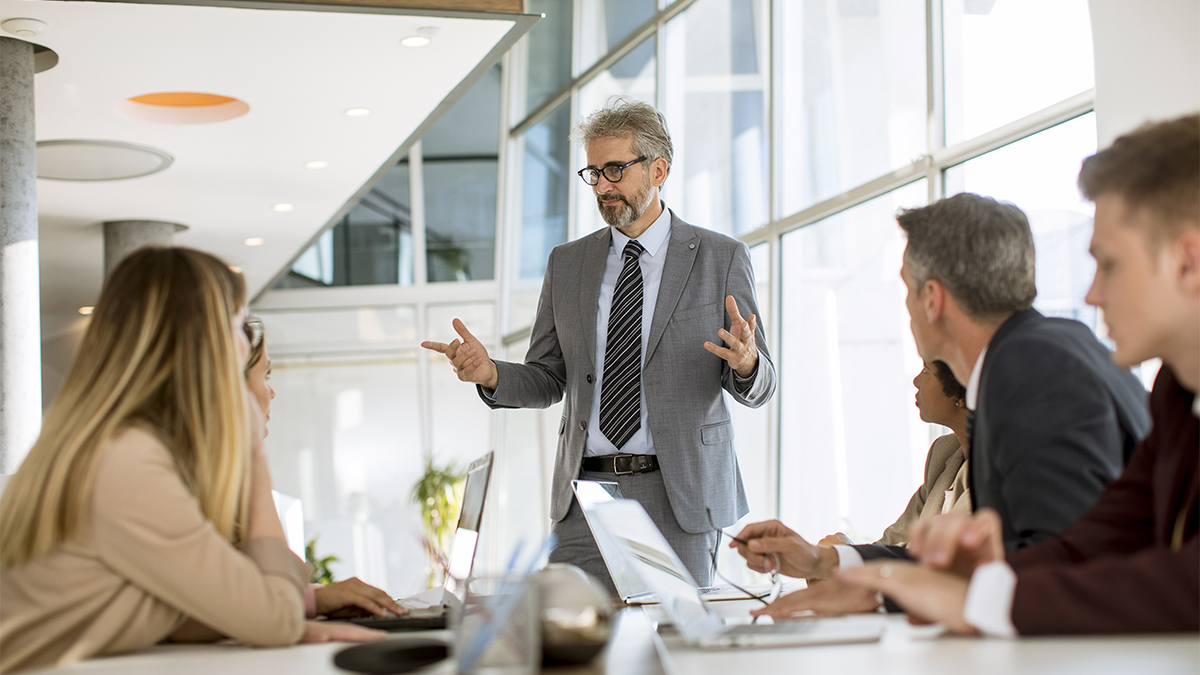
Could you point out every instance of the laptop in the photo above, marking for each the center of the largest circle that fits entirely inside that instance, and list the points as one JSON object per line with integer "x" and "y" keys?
{"x": 630, "y": 587}
{"x": 641, "y": 543}
{"x": 462, "y": 558}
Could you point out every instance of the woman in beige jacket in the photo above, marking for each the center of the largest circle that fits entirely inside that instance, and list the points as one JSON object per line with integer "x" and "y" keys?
{"x": 143, "y": 512}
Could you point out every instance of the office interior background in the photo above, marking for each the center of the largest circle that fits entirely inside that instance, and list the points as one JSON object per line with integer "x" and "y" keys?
{"x": 800, "y": 127}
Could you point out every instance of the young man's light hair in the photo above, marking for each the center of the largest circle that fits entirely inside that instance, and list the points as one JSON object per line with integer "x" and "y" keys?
{"x": 628, "y": 117}
{"x": 1156, "y": 167}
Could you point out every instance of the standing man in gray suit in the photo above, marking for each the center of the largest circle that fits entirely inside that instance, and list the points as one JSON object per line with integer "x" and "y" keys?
{"x": 628, "y": 328}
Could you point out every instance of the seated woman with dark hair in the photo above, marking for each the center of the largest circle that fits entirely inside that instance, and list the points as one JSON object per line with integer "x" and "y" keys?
{"x": 941, "y": 400}
{"x": 143, "y": 512}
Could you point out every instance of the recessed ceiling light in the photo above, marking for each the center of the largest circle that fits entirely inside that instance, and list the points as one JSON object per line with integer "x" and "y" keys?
{"x": 94, "y": 160}
{"x": 358, "y": 112}
{"x": 253, "y": 241}
{"x": 86, "y": 311}
{"x": 424, "y": 36}
{"x": 181, "y": 107}
{"x": 282, "y": 208}
{"x": 316, "y": 164}
{"x": 24, "y": 27}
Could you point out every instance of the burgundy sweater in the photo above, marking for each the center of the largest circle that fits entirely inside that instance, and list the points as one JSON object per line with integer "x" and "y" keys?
{"x": 1131, "y": 564}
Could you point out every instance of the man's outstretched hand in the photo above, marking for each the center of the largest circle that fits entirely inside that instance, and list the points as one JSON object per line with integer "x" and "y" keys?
{"x": 740, "y": 352}
{"x": 469, "y": 357}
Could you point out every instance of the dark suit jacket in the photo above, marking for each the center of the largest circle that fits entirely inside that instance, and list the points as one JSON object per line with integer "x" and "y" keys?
{"x": 1114, "y": 570}
{"x": 1054, "y": 423}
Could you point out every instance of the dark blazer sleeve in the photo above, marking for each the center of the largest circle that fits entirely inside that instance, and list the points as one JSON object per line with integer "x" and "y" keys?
{"x": 739, "y": 283}
{"x": 882, "y": 552}
{"x": 1051, "y": 433}
{"x": 541, "y": 380}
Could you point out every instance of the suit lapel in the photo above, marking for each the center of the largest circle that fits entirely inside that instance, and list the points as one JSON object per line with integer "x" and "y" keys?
{"x": 681, "y": 253}
{"x": 590, "y": 275}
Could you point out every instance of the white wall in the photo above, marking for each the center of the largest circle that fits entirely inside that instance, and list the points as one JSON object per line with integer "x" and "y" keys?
{"x": 1147, "y": 62}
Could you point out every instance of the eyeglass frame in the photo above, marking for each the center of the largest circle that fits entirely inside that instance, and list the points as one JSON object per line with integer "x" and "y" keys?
{"x": 776, "y": 579}
{"x": 603, "y": 171}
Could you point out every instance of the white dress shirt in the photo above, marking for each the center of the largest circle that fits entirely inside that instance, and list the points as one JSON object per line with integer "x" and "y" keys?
{"x": 653, "y": 240}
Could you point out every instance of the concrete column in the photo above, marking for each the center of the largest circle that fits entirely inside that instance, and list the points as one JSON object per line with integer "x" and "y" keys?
{"x": 122, "y": 237}
{"x": 20, "y": 291}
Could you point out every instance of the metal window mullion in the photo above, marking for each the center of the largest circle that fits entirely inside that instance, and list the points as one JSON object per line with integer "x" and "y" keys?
{"x": 416, "y": 191}
{"x": 1050, "y": 116}
{"x": 935, "y": 56}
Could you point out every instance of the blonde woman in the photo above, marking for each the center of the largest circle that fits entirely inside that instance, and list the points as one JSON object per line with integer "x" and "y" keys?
{"x": 143, "y": 512}
{"x": 351, "y": 597}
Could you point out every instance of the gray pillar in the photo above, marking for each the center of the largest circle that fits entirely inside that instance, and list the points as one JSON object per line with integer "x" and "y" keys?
{"x": 122, "y": 237}
{"x": 20, "y": 293}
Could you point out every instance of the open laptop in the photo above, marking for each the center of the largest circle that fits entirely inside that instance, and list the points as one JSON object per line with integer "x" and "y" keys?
{"x": 462, "y": 558}
{"x": 641, "y": 543}
{"x": 630, "y": 587}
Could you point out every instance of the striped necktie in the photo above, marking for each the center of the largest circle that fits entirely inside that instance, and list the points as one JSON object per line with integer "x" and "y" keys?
{"x": 620, "y": 391}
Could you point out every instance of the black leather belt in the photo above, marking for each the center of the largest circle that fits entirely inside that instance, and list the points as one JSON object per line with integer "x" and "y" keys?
{"x": 621, "y": 464}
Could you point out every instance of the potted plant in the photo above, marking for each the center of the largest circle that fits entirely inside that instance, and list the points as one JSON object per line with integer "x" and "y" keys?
{"x": 439, "y": 494}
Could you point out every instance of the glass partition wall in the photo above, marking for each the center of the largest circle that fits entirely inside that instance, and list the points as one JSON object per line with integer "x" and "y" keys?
{"x": 800, "y": 127}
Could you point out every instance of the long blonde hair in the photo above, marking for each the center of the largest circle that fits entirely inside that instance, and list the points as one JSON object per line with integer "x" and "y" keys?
{"x": 160, "y": 353}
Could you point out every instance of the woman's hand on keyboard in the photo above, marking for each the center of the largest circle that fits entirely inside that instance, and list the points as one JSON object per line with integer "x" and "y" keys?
{"x": 353, "y": 593}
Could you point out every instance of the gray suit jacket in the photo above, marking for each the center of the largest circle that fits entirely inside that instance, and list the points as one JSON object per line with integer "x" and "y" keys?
{"x": 683, "y": 381}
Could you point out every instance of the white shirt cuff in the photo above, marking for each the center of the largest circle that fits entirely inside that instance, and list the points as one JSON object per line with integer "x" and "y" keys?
{"x": 848, "y": 557}
{"x": 990, "y": 598}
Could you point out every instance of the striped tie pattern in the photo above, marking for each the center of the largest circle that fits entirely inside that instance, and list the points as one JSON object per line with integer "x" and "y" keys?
{"x": 620, "y": 391}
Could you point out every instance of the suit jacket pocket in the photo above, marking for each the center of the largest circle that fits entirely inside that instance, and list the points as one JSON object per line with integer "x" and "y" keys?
{"x": 716, "y": 434}
{"x": 562, "y": 425}
{"x": 689, "y": 313}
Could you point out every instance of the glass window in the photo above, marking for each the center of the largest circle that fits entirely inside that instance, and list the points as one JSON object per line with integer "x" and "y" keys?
{"x": 1005, "y": 59}
{"x": 634, "y": 76}
{"x": 544, "y": 195}
{"x": 852, "y": 94}
{"x": 460, "y": 156}
{"x": 604, "y": 23}
{"x": 1038, "y": 174}
{"x": 715, "y": 96}
{"x": 548, "y": 53}
{"x": 852, "y": 447}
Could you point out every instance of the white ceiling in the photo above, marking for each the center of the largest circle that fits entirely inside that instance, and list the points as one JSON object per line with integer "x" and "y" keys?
{"x": 298, "y": 70}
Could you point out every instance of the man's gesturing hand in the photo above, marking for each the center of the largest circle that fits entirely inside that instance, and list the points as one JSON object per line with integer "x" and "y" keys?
{"x": 469, "y": 357}
{"x": 797, "y": 557}
{"x": 741, "y": 354}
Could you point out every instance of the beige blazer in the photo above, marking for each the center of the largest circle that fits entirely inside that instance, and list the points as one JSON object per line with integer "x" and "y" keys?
{"x": 146, "y": 565}
{"x": 945, "y": 472}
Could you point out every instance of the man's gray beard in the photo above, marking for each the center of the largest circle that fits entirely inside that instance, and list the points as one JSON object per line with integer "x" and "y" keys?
{"x": 618, "y": 216}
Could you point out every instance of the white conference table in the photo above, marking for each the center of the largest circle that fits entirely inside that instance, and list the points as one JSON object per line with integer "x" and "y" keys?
{"x": 635, "y": 649}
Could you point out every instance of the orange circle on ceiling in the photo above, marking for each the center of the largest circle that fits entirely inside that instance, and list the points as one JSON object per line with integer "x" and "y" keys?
{"x": 182, "y": 99}
{"x": 181, "y": 107}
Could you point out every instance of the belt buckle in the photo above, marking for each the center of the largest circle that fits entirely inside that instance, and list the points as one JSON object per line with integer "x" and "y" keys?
{"x": 617, "y": 471}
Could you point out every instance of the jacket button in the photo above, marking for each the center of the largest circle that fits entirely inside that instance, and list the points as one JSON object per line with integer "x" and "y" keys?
{"x": 589, "y": 378}
{"x": 583, "y": 426}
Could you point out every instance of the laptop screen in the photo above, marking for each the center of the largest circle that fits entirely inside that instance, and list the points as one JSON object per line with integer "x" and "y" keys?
{"x": 466, "y": 537}
{"x": 589, "y": 494}
{"x": 648, "y": 553}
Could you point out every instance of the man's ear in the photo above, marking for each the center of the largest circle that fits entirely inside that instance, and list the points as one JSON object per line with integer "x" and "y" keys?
{"x": 933, "y": 300}
{"x": 658, "y": 172}
{"x": 1186, "y": 251}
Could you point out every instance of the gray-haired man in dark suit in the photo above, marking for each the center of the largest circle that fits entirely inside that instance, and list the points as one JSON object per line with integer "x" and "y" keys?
{"x": 627, "y": 329}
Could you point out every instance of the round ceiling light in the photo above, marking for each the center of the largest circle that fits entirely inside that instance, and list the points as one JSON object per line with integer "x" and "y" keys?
{"x": 358, "y": 112}
{"x": 181, "y": 107}
{"x": 316, "y": 164}
{"x": 90, "y": 160}
{"x": 283, "y": 207}
{"x": 424, "y": 36}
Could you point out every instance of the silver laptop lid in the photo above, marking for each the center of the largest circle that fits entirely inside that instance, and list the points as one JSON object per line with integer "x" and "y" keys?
{"x": 466, "y": 536}
{"x": 589, "y": 494}
{"x": 639, "y": 542}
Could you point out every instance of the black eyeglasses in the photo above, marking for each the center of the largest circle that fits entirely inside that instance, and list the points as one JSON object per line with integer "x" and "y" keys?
{"x": 613, "y": 173}
{"x": 776, "y": 580}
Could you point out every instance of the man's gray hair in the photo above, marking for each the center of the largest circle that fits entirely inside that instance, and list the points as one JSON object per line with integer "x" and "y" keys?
{"x": 979, "y": 248}
{"x": 623, "y": 116}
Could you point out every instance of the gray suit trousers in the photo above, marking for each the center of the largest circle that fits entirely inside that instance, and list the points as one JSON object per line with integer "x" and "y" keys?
{"x": 577, "y": 546}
